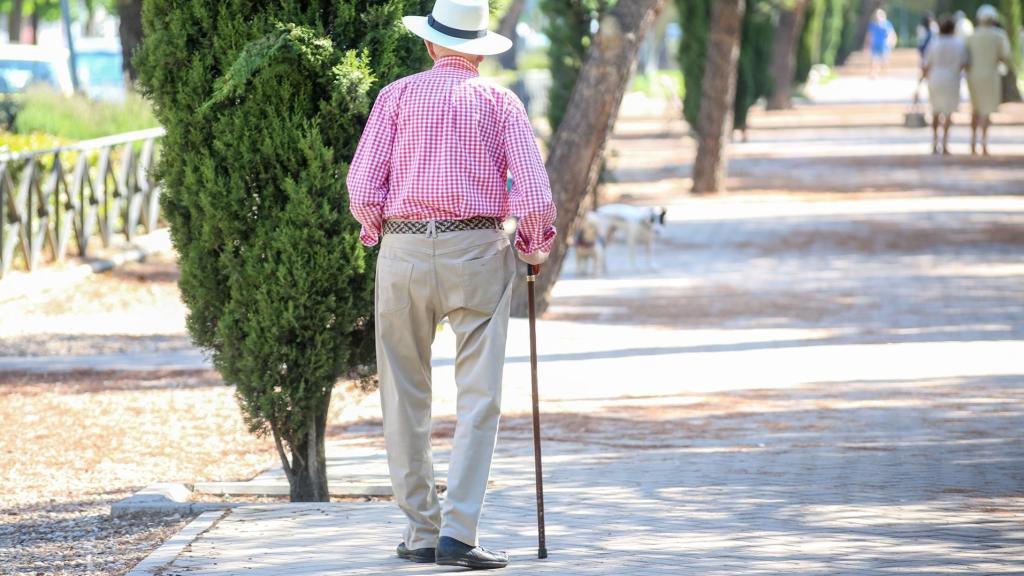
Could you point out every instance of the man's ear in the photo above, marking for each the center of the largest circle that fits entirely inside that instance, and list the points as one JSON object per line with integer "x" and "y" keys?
{"x": 430, "y": 49}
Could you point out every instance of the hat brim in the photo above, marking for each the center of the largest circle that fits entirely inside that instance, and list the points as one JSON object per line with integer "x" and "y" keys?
{"x": 492, "y": 43}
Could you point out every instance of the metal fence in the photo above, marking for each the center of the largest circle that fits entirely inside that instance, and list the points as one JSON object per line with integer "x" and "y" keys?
{"x": 88, "y": 191}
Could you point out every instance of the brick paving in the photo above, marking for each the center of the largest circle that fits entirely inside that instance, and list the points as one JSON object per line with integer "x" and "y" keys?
{"x": 810, "y": 383}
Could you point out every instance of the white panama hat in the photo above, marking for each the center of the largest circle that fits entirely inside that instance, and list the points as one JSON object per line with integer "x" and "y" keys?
{"x": 460, "y": 25}
{"x": 987, "y": 13}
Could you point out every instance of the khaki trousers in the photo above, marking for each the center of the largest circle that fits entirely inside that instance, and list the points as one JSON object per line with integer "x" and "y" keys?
{"x": 466, "y": 276}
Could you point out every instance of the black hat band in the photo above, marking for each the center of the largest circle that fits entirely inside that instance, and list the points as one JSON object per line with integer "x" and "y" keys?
{"x": 456, "y": 32}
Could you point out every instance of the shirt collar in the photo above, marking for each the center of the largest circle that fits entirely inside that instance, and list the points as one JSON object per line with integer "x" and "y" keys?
{"x": 455, "y": 63}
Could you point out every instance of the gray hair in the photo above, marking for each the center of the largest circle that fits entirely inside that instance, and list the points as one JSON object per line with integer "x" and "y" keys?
{"x": 987, "y": 14}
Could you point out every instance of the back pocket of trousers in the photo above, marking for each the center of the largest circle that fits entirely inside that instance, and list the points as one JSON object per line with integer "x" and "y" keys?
{"x": 394, "y": 279}
{"x": 483, "y": 282}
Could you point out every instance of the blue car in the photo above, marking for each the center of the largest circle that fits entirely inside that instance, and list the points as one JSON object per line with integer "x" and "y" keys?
{"x": 101, "y": 73}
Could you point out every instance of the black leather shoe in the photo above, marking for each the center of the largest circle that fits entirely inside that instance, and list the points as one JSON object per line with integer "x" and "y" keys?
{"x": 421, "y": 555}
{"x": 451, "y": 552}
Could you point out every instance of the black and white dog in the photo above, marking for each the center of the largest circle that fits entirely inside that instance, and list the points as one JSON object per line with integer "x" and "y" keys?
{"x": 641, "y": 225}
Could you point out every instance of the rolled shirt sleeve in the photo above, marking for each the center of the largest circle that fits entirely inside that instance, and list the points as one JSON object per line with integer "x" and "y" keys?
{"x": 370, "y": 172}
{"x": 530, "y": 198}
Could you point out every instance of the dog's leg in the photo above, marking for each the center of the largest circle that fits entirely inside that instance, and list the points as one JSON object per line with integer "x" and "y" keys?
{"x": 631, "y": 240}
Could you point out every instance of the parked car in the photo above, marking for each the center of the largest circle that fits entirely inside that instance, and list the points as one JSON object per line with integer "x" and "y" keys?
{"x": 101, "y": 69}
{"x": 24, "y": 65}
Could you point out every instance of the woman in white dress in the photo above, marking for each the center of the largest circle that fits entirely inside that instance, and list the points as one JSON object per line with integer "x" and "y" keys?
{"x": 944, "y": 61}
{"x": 986, "y": 49}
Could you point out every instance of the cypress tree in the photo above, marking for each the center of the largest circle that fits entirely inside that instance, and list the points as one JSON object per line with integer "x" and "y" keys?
{"x": 569, "y": 30}
{"x": 808, "y": 50}
{"x": 753, "y": 70}
{"x": 695, "y": 18}
{"x": 263, "y": 102}
{"x": 849, "y": 30}
{"x": 832, "y": 31}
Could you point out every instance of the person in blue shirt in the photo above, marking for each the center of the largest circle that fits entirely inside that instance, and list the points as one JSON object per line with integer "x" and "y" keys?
{"x": 880, "y": 39}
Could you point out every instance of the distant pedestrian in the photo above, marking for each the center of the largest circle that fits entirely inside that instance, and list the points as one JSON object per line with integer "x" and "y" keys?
{"x": 944, "y": 62}
{"x": 986, "y": 49}
{"x": 964, "y": 28}
{"x": 926, "y": 30}
{"x": 881, "y": 39}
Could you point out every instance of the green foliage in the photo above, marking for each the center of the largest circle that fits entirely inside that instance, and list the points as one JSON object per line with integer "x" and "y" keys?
{"x": 263, "y": 102}
{"x": 848, "y": 34}
{"x": 1013, "y": 20}
{"x": 24, "y": 142}
{"x": 1010, "y": 11}
{"x": 568, "y": 27}
{"x": 47, "y": 9}
{"x": 832, "y": 30}
{"x": 79, "y": 118}
{"x": 808, "y": 50}
{"x": 659, "y": 84}
{"x": 753, "y": 71}
{"x": 537, "y": 59}
{"x": 695, "y": 19}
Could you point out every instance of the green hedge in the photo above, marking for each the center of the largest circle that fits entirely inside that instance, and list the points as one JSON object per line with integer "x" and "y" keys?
{"x": 78, "y": 118}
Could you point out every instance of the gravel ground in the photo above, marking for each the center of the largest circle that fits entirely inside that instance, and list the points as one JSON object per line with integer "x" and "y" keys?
{"x": 79, "y": 538}
{"x": 134, "y": 308}
{"x": 98, "y": 437}
{"x": 95, "y": 439}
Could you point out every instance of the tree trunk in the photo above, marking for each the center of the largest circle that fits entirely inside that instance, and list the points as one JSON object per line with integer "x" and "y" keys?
{"x": 718, "y": 94}
{"x": 306, "y": 470}
{"x": 34, "y": 20}
{"x": 784, "y": 55}
{"x": 14, "y": 22}
{"x": 507, "y": 28}
{"x": 576, "y": 147}
{"x": 130, "y": 13}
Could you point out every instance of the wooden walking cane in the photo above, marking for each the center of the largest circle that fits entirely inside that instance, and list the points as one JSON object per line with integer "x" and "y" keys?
{"x": 531, "y": 276}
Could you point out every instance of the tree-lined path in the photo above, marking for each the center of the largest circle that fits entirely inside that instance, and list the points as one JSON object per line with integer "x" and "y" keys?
{"x": 823, "y": 376}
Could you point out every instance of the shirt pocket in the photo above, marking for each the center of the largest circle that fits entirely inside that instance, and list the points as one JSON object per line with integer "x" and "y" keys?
{"x": 484, "y": 280}
{"x": 394, "y": 280}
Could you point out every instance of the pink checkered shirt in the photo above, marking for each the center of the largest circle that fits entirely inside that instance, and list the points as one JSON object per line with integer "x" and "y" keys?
{"x": 439, "y": 145}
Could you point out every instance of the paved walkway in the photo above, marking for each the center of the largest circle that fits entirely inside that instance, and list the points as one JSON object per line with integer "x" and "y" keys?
{"x": 803, "y": 387}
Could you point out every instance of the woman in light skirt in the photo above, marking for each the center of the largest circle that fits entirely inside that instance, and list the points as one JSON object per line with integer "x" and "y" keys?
{"x": 944, "y": 62}
{"x": 986, "y": 49}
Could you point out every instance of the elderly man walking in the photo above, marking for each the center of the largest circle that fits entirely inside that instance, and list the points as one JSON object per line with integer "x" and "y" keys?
{"x": 429, "y": 182}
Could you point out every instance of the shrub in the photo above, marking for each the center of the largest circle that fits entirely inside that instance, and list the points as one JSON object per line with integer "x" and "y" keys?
{"x": 263, "y": 102}
{"x": 24, "y": 142}
{"x": 79, "y": 118}
{"x": 808, "y": 49}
